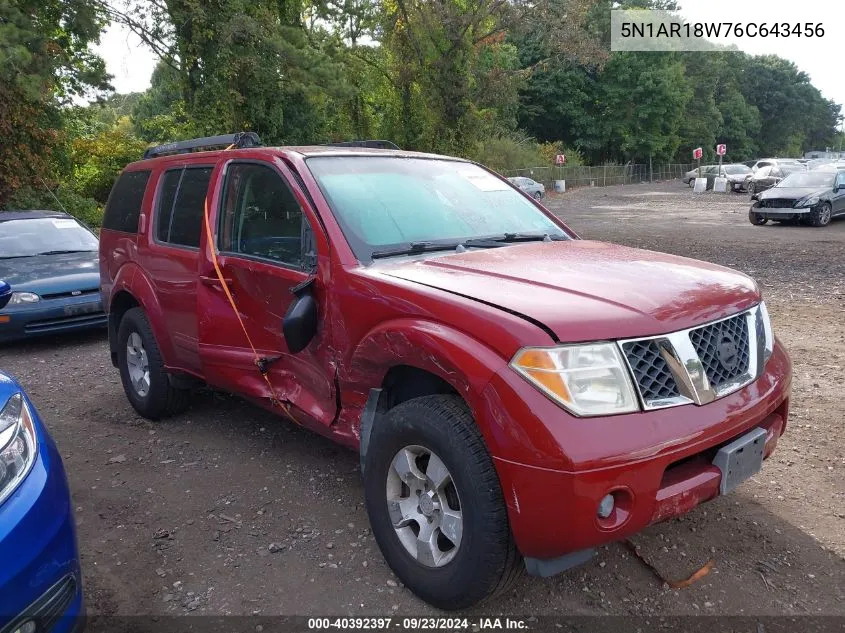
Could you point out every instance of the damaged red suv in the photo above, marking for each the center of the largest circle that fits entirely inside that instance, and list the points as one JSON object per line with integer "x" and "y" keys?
{"x": 518, "y": 395}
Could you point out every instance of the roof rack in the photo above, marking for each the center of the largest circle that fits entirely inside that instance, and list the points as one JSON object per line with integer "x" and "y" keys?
{"x": 239, "y": 140}
{"x": 370, "y": 144}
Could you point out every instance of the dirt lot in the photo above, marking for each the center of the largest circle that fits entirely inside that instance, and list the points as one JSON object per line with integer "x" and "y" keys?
{"x": 180, "y": 517}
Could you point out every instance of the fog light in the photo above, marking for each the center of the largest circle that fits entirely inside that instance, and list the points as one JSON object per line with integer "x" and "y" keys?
{"x": 606, "y": 506}
{"x": 27, "y": 627}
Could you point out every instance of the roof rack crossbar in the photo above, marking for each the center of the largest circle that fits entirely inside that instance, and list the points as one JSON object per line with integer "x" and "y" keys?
{"x": 373, "y": 144}
{"x": 239, "y": 140}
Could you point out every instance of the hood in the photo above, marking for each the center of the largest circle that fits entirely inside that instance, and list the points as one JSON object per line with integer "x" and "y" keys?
{"x": 583, "y": 290}
{"x": 792, "y": 193}
{"x": 51, "y": 274}
{"x": 8, "y": 387}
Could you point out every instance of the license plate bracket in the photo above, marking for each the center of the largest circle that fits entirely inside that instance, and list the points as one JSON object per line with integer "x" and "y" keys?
{"x": 740, "y": 459}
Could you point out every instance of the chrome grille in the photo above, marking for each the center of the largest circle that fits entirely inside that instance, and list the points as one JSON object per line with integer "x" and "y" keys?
{"x": 723, "y": 349}
{"x": 653, "y": 376}
{"x": 697, "y": 365}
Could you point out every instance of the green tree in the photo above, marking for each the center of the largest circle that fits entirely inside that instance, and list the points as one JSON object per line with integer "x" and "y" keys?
{"x": 44, "y": 63}
{"x": 643, "y": 97}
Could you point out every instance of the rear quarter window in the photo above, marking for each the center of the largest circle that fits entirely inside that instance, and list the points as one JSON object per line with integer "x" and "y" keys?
{"x": 124, "y": 204}
{"x": 182, "y": 205}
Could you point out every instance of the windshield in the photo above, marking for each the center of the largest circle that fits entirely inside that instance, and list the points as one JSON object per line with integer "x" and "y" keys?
{"x": 34, "y": 236}
{"x": 808, "y": 179}
{"x": 390, "y": 202}
{"x": 737, "y": 169}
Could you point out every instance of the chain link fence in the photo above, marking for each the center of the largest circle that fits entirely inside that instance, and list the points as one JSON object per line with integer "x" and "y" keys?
{"x": 603, "y": 175}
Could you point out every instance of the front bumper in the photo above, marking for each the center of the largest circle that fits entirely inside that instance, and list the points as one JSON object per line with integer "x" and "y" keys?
{"x": 554, "y": 469}
{"x": 40, "y": 575}
{"x": 787, "y": 213}
{"x": 51, "y": 316}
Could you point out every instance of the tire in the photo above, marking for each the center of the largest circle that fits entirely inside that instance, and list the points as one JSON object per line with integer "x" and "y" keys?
{"x": 152, "y": 396}
{"x": 821, "y": 215}
{"x": 750, "y": 188}
{"x": 485, "y": 561}
{"x": 756, "y": 219}
{"x": 537, "y": 195}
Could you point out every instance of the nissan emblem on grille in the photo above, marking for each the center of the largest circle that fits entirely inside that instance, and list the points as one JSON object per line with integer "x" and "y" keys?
{"x": 727, "y": 353}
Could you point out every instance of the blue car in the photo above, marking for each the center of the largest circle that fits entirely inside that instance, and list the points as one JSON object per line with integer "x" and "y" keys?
{"x": 50, "y": 261}
{"x": 40, "y": 583}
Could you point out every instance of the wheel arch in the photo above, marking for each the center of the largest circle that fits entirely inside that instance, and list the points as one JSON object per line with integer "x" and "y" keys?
{"x": 409, "y": 358}
{"x": 133, "y": 289}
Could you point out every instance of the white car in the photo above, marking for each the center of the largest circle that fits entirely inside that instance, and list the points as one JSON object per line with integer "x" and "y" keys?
{"x": 533, "y": 188}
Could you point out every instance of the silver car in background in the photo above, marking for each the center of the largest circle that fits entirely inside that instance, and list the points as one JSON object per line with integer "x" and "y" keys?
{"x": 534, "y": 189}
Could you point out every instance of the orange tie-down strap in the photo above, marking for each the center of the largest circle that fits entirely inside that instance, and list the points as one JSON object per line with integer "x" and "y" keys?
{"x": 260, "y": 363}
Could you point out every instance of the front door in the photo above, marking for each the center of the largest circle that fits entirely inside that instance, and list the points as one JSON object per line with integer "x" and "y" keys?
{"x": 265, "y": 235}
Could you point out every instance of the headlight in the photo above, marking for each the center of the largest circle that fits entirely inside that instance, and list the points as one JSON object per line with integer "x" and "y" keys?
{"x": 811, "y": 202}
{"x": 586, "y": 380}
{"x": 766, "y": 324}
{"x": 17, "y": 445}
{"x": 19, "y": 298}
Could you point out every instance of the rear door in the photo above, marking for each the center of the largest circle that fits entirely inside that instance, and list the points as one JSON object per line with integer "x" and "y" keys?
{"x": 173, "y": 254}
{"x": 268, "y": 239}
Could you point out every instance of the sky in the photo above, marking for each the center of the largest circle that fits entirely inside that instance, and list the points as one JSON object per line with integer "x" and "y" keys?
{"x": 132, "y": 63}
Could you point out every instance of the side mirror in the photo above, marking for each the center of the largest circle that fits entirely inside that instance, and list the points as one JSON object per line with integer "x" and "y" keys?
{"x": 300, "y": 322}
{"x": 5, "y": 293}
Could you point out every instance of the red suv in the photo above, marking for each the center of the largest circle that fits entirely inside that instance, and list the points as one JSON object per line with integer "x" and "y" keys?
{"x": 518, "y": 395}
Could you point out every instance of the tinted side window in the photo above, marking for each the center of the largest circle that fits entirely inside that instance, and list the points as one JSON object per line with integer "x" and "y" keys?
{"x": 182, "y": 223}
{"x": 261, "y": 216}
{"x": 166, "y": 198}
{"x": 124, "y": 204}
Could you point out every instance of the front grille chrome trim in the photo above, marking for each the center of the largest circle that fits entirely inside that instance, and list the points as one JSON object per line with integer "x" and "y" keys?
{"x": 685, "y": 364}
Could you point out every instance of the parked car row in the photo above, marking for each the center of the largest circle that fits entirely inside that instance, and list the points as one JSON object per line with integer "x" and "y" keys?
{"x": 736, "y": 175}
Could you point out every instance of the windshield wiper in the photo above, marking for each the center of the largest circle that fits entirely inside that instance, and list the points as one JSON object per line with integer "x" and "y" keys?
{"x": 512, "y": 238}
{"x": 65, "y": 252}
{"x": 413, "y": 248}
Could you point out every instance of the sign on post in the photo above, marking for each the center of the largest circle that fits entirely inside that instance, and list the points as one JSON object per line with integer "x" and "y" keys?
{"x": 560, "y": 159}
{"x": 697, "y": 153}
{"x": 722, "y": 149}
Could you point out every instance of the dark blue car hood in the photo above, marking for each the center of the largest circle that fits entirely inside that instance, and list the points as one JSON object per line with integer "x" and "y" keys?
{"x": 50, "y": 274}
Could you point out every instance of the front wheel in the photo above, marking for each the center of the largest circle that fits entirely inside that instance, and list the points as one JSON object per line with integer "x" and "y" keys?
{"x": 756, "y": 219}
{"x": 820, "y": 216}
{"x": 435, "y": 503}
{"x": 537, "y": 195}
{"x": 145, "y": 382}
{"x": 750, "y": 188}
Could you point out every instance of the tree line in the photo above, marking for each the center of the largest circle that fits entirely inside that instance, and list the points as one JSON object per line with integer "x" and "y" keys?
{"x": 509, "y": 83}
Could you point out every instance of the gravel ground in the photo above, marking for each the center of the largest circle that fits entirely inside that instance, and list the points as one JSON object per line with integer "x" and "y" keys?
{"x": 228, "y": 510}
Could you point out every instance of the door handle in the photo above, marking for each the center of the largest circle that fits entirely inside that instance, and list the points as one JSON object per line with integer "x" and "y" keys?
{"x": 214, "y": 281}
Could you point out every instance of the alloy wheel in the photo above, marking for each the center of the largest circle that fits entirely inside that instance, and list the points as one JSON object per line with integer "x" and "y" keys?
{"x": 424, "y": 506}
{"x": 824, "y": 214}
{"x": 138, "y": 365}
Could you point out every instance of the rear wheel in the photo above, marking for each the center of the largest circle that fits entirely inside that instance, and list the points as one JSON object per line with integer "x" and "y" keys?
{"x": 435, "y": 504}
{"x": 145, "y": 382}
{"x": 820, "y": 216}
{"x": 750, "y": 188}
{"x": 756, "y": 219}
